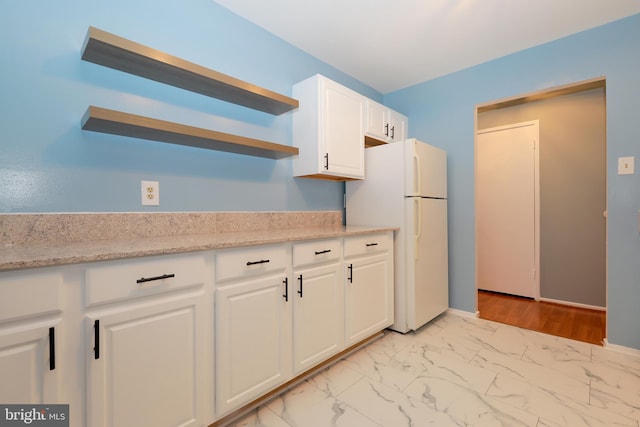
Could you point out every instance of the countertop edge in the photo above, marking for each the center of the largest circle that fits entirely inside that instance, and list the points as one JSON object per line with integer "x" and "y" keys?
{"x": 16, "y": 257}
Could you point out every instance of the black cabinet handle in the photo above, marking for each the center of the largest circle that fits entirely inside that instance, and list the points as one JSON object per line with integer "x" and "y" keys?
{"x": 326, "y": 161}
{"x": 386, "y": 129}
{"x": 96, "y": 345}
{"x": 52, "y": 348}
{"x": 262, "y": 261}
{"x": 300, "y": 291}
{"x": 350, "y": 278}
{"x": 286, "y": 288}
{"x": 326, "y": 251}
{"x": 393, "y": 132}
{"x": 151, "y": 279}
{"x": 371, "y": 244}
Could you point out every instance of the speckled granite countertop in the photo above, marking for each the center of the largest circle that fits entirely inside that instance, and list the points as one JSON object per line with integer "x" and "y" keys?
{"x": 43, "y": 253}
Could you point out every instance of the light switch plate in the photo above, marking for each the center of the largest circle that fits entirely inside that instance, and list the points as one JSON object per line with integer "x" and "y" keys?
{"x": 626, "y": 165}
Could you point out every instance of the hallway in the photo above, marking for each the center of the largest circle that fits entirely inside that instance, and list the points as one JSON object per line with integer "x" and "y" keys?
{"x": 560, "y": 320}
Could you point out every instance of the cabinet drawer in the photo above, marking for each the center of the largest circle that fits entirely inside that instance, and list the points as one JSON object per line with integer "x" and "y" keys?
{"x": 316, "y": 252}
{"x": 117, "y": 280}
{"x": 367, "y": 244}
{"x": 252, "y": 261}
{"x": 26, "y": 294}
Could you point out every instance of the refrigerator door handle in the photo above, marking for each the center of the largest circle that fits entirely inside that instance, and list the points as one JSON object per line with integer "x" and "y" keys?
{"x": 417, "y": 211}
{"x": 417, "y": 184}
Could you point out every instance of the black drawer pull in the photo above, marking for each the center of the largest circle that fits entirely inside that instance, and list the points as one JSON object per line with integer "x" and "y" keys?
{"x": 326, "y": 251}
{"x": 262, "y": 261}
{"x": 96, "y": 345}
{"x": 52, "y": 348}
{"x": 371, "y": 244}
{"x": 151, "y": 279}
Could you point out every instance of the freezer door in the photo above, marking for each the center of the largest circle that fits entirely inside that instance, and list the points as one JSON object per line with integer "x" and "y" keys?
{"x": 427, "y": 261}
{"x": 425, "y": 170}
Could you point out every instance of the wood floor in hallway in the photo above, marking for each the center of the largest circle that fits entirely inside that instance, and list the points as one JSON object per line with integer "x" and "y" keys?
{"x": 565, "y": 321}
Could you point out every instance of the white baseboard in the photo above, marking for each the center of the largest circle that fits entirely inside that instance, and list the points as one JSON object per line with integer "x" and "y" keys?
{"x": 463, "y": 313}
{"x": 621, "y": 349}
{"x": 574, "y": 304}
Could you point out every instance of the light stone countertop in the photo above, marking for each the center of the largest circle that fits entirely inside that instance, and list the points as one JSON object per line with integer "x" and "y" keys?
{"x": 45, "y": 254}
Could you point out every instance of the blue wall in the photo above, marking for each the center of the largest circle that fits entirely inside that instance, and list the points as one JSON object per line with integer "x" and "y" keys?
{"x": 48, "y": 164}
{"x": 441, "y": 111}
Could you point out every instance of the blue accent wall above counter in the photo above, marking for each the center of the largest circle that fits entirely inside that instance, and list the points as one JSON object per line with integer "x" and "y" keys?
{"x": 48, "y": 164}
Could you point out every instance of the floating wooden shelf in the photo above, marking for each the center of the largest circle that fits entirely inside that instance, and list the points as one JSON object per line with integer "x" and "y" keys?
{"x": 101, "y": 47}
{"x": 118, "y": 123}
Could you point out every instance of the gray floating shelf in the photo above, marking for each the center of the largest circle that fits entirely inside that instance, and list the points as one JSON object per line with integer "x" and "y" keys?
{"x": 101, "y": 47}
{"x": 114, "y": 122}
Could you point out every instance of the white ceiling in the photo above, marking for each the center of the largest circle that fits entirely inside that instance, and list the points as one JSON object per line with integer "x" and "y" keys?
{"x": 392, "y": 44}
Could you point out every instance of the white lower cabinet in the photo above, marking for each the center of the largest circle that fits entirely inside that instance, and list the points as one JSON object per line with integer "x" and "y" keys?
{"x": 30, "y": 312}
{"x": 253, "y": 324}
{"x": 147, "y": 357}
{"x": 186, "y": 339}
{"x": 368, "y": 285}
{"x": 318, "y": 303}
{"x": 253, "y": 341}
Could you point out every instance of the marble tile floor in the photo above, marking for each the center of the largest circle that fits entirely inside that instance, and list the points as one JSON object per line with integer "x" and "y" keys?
{"x": 462, "y": 371}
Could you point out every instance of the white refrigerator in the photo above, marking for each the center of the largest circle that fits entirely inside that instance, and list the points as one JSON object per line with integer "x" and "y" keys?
{"x": 405, "y": 186}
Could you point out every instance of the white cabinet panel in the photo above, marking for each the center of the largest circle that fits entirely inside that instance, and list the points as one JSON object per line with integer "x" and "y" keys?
{"x": 118, "y": 280}
{"x": 318, "y": 319}
{"x": 25, "y": 367}
{"x": 384, "y": 124}
{"x": 369, "y": 286}
{"x": 328, "y": 129}
{"x": 145, "y": 366}
{"x": 253, "y": 340}
{"x": 30, "y": 313}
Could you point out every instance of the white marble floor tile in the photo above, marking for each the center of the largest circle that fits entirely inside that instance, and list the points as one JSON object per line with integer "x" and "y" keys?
{"x": 336, "y": 379}
{"x": 377, "y": 362}
{"x": 449, "y": 345}
{"x": 554, "y": 381}
{"x": 308, "y": 406}
{"x": 459, "y": 371}
{"x": 261, "y": 417}
{"x": 391, "y": 408}
{"x": 616, "y": 400}
{"x": 554, "y": 408}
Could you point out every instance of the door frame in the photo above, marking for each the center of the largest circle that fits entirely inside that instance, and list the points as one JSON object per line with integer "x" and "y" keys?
{"x": 536, "y": 196}
{"x": 576, "y": 87}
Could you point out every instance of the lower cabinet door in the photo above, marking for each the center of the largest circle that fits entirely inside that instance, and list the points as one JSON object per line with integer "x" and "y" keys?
{"x": 27, "y": 365}
{"x": 318, "y": 315}
{"x": 368, "y": 297}
{"x": 145, "y": 366}
{"x": 253, "y": 340}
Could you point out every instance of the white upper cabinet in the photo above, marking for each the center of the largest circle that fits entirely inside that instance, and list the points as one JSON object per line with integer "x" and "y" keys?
{"x": 328, "y": 129}
{"x": 383, "y": 124}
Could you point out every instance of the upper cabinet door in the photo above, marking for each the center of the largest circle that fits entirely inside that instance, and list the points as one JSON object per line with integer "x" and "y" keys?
{"x": 328, "y": 129}
{"x": 384, "y": 124}
{"x": 343, "y": 130}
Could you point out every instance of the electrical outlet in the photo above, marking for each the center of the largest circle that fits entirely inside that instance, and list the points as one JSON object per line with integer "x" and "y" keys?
{"x": 150, "y": 193}
{"x": 626, "y": 166}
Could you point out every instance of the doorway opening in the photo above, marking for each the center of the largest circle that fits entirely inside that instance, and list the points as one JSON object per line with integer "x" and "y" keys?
{"x": 570, "y": 235}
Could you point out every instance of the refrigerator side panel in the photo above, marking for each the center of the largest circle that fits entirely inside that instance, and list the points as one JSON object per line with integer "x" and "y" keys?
{"x": 378, "y": 200}
{"x": 430, "y": 263}
{"x": 410, "y": 243}
{"x": 430, "y": 170}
